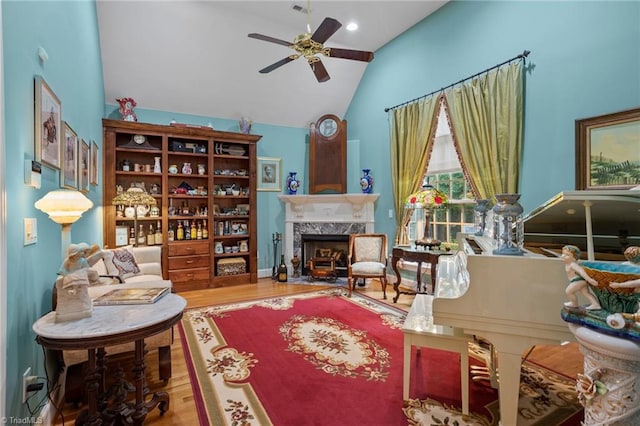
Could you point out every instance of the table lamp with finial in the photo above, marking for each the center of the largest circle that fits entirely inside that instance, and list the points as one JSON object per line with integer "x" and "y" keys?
{"x": 427, "y": 198}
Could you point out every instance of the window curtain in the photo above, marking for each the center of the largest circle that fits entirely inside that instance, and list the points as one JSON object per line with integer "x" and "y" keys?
{"x": 486, "y": 121}
{"x": 412, "y": 131}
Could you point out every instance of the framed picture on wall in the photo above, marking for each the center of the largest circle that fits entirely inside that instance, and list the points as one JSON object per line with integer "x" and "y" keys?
{"x": 48, "y": 124}
{"x": 269, "y": 174}
{"x": 83, "y": 167}
{"x": 69, "y": 160}
{"x": 93, "y": 168}
{"x": 608, "y": 151}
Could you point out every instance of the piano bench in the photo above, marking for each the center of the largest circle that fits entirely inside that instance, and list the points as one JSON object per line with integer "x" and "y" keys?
{"x": 417, "y": 332}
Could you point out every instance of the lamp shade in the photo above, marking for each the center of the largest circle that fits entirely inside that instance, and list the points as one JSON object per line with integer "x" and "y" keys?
{"x": 427, "y": 197}
{"x": 133, "y": 197}
{"x": 64, "y": 206}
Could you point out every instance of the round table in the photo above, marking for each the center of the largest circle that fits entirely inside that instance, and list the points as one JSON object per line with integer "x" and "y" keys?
{"x": 111, "y": 325}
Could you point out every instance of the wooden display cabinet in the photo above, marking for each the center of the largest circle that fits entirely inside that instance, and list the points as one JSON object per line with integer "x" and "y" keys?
{"x": 206, "y": 182}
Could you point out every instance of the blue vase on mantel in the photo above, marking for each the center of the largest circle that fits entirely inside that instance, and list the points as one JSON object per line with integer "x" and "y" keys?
{"x": 292, "y": 183}
{"x": 366, "y": 181}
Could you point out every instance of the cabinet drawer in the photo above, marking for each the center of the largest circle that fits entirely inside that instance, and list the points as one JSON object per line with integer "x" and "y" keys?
{"x": 186, "y": 249}
{"x": 189, "y": 275}
{"x": 188, "y": 262}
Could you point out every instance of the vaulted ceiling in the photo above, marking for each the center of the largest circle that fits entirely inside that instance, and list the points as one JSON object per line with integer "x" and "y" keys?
{"x": 194, "y": 57}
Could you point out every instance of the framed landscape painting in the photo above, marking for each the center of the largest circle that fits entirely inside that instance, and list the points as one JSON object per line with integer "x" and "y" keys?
{"x": 48, "y": 124}
{"x": 608, "y": 151}
{"x": 69, "y": 171}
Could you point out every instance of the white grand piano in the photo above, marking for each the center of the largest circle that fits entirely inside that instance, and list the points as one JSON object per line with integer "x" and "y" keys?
{"x": 514, "y": 302}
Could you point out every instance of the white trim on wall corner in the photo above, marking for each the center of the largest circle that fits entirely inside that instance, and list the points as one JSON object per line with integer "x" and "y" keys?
{"x": 3, "y": 246}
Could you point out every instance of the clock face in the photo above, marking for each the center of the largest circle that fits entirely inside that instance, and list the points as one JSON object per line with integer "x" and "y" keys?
{"x": 139, "y": 139}
{"x": 328, "y": 127}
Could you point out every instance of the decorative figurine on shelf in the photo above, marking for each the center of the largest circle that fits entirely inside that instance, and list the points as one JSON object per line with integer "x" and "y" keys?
{"x": 126, "y": 109}
{"x": 578, "y": 279}
{"x": 245, "y": 125}
{"x": 292, "y": 183}
{"x": 366, "y": 181}
{"x": 186, "y": 169}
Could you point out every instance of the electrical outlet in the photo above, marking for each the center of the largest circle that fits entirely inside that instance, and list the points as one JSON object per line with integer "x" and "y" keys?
{"x": 27, "y": 379}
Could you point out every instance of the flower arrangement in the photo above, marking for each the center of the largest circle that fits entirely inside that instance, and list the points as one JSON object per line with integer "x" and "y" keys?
{"x": 427, "y": 197}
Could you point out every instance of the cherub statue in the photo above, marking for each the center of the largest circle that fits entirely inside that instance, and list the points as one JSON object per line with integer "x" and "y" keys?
{"x": 578, "y": 279}
{"x": 82, "y": 256}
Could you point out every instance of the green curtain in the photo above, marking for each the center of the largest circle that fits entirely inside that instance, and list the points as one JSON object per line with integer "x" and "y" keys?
{"x": 412, "y": 132}
{"x": 486, "y": 121}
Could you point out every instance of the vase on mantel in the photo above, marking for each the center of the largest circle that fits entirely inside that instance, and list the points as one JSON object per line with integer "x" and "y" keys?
{"x": 292, "y": 183}
{"x": 366, "y": 181}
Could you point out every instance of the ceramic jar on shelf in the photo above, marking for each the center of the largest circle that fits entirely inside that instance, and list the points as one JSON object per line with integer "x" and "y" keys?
{"x": 366, "y": 181}
{"x": 292, "y": 183}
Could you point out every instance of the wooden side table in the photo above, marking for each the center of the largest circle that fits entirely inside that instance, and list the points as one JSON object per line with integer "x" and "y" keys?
{"x": 414, "y": 255}
{"x": 111, "y": 325}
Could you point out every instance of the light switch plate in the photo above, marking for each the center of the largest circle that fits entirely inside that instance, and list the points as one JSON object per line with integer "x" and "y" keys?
{"x": 30, "y": 231}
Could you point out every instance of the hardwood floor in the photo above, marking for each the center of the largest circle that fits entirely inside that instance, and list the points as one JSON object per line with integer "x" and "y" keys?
{"x": 564, "y": 359}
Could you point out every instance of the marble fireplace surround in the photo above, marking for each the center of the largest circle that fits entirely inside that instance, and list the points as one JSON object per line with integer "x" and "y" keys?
{"x": 325, "y": 214}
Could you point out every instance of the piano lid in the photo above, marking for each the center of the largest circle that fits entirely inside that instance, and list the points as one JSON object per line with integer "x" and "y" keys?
{"x": 593, "y": 219}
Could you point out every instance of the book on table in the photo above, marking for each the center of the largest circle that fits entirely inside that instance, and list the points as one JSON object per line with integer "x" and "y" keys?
{"x": 131, "y": 296}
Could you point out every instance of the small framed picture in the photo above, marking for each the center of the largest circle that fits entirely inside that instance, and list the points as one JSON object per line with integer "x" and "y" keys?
{"x": 269, "y": 174}
{"x": 69, "y": 171}
{"x": 122, "y": 235}
{"x": 216, "y": 209}
{"x": 83, "y": 167}
{"x": 48, "y": 125}
{"x": 93, "y": 169}
{"x": 608, "y": 151}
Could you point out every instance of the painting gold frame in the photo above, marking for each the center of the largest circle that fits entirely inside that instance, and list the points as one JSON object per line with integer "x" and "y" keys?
{"x": 608, "y": 151}
{"x": 48, "y": 129}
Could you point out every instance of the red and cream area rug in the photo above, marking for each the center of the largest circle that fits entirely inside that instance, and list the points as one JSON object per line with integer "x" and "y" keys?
{"x": 321, "y": 358}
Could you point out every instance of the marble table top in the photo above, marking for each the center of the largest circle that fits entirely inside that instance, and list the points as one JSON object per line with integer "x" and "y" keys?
{"x": 110, "y": 320}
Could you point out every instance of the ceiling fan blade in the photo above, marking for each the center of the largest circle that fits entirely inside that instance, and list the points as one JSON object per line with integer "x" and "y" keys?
{"x": 320, "y": 71}
{"x": 358, "y": 55}
{"x": 328, "y": 27}
{"x": 271, "y": 39}
{"x": 278, "y": 64}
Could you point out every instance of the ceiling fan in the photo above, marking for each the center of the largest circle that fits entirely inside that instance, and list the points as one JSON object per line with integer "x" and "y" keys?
{"x": 310, "y": 46}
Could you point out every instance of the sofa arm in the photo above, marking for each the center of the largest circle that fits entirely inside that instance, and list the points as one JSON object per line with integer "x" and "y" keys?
{"x": 150, "y": 269}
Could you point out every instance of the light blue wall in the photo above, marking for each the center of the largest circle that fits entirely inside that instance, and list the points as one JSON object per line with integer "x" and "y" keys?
{"x": 585, "y": 62}
{"x": 69, "y": 33}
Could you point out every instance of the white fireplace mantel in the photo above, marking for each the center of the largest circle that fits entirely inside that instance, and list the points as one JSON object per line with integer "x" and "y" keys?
{"x": 330, "y": 209}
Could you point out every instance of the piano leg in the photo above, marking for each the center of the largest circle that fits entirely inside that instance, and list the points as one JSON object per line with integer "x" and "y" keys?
{"x": 509, "y": 366}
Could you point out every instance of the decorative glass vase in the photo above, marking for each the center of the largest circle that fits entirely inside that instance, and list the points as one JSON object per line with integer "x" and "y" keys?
{"x": 366, "y": 182}
{"x": 480, "y": 209}
{"x": 508, "y": 227}
{"x": 292, "y": 183}
{"x": 156, "y": 165}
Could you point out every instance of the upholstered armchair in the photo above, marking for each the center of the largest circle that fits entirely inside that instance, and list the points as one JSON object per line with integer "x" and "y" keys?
{"x": 367, "y": 259}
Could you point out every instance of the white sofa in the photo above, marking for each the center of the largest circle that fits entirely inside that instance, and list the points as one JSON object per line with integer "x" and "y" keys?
{"x": 149, "y": 261}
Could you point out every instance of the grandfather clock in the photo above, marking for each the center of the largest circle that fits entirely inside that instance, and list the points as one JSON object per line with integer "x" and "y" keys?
{"x": 328, "y": 155}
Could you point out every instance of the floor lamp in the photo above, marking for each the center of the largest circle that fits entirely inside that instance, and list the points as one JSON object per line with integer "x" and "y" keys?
{"x": 64, "y": 206}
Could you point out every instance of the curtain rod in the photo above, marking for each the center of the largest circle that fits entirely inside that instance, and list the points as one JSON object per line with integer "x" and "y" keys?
{"x": 523, "y": 55}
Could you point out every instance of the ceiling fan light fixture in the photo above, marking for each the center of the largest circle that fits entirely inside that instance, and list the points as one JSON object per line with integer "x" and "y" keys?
{"x": 352, "y": 26}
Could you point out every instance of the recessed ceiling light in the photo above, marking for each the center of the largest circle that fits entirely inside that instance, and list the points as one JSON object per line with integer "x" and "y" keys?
{"x": 352, "y": 26}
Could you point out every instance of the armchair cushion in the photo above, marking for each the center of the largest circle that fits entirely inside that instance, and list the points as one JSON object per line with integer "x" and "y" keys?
{"x": 367, "y": 268}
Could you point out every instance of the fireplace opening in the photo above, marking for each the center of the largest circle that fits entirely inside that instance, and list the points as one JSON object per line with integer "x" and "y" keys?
{"x": 334, "y": 246}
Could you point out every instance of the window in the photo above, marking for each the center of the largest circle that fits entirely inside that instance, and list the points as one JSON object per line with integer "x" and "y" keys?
{"x": 445, "y": 173}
